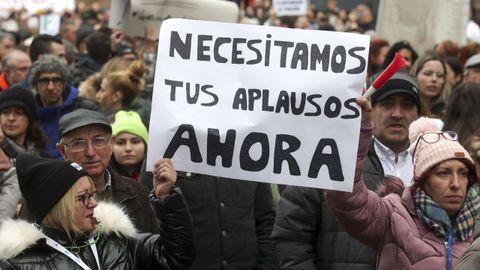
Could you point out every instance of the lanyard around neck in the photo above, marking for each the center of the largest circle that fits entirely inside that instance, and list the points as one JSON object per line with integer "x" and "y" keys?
{"x": 57, "y": 246}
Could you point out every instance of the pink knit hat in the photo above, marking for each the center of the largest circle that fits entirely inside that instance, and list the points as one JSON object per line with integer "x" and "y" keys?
{"x": 430, "y": 146}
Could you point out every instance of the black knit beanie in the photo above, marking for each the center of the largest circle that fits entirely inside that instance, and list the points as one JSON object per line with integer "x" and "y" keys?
{"x": 43, "y": 182}
{"x": 19, "y": 96}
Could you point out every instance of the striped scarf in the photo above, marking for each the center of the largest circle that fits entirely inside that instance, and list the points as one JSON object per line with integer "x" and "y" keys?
{"x": 437, "y": 219}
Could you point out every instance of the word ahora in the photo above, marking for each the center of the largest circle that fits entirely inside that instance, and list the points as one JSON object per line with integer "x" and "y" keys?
{"x": 326, "y": 152}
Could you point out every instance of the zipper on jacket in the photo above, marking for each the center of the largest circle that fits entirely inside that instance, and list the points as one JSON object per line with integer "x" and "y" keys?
{"x": 448, "y": 246}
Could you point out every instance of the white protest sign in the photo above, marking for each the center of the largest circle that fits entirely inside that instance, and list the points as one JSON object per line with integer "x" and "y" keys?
{"x": 258, "y": 103}
{"x": 422, "y": 23}
{"x": 134, "y": 15}
{"x": 35, "y": 6}
{"x": 119, "y": 13}
{"x": 50, "y": 24}
{"x": 290, "y": 7}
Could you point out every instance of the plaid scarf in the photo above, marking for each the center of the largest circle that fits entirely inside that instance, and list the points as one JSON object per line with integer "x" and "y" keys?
{"x": 437, "y": 219}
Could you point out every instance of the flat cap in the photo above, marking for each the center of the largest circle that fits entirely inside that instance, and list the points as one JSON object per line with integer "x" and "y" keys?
{"x": 80, "y": 118}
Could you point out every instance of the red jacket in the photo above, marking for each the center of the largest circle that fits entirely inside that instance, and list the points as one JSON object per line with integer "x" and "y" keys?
{"x": 3, "y": 81}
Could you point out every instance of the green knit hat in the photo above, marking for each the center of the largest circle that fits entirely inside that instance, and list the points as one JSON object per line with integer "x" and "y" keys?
{"x": 129, "y": 122}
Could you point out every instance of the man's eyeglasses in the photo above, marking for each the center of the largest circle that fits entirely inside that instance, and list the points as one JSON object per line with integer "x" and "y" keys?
{"x": 86, "y": 197}
{"x": 22, "y": 69}
{"x": 433, "y": 137}
{"x": 44, "y": 82}
{"x": 82, "y": 145}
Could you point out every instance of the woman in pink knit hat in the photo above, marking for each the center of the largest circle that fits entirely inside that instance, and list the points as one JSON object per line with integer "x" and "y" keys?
{"x": 426, "y": 226}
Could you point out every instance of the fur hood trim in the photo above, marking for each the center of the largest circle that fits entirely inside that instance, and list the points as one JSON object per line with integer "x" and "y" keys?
{"x": 18, "y": 235}
{"x": 114, "y": 219}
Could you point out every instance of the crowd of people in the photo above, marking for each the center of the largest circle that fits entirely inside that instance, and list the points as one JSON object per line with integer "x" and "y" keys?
{"x": 75, "y": 192}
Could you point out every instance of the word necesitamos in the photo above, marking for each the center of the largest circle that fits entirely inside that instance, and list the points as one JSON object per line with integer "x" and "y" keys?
{"x": 287, "y": 54}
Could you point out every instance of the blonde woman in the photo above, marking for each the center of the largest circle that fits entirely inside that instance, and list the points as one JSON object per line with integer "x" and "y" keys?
{"x": 119, "y": 89}
{"x": 73, "y": 231}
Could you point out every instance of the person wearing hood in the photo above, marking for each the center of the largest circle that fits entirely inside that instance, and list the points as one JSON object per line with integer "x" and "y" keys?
{"x": 73, "y": 231}
{"x": 427, "y": 225}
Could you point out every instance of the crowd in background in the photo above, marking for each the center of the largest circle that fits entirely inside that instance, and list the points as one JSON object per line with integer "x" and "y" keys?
{"x": 84, "y": 96}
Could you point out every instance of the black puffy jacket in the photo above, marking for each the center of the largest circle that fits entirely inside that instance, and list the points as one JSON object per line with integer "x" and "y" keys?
{"x": 119, "y": 245}
{"x": 307, "y": 236}
{"x": 233, "y": 221}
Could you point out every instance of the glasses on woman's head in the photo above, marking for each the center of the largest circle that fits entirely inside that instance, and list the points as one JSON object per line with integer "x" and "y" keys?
{"x": 433, "y": 137}
{"x": 80, "y": 145}
{"x": 86, "y": 197}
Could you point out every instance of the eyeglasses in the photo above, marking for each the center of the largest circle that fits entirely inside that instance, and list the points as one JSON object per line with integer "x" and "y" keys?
{"x": 82, "y": 145}
{"x": 44, "y": 82}
{"x": 86, "y": 197}
{"x": 433, "y": 137}
{"x": 22, "y": 69}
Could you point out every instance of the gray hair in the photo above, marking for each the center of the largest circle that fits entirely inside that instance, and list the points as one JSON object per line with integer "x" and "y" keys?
{"x": 48, "y": 64}
{"x": 10, "y": 56}
{"x": 4, "y": 35}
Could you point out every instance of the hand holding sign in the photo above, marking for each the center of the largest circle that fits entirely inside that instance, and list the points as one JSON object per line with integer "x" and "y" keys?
{"x": 397, "y": 63}
{"x": 164, "y": 178}
{"x": 366, "y": 106}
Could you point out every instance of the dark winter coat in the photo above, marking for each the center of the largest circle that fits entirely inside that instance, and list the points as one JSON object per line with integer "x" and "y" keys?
{"x": 232, "y": 220}
{"x": 119, "y": 245}
{"x": 307, "y": 236}
{"x": 133, "y": 197}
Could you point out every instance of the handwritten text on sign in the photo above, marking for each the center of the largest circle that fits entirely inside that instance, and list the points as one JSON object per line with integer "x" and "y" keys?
{"x": 258, "y": 103}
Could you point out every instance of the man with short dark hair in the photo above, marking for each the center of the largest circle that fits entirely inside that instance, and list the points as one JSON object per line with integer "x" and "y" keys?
{"x": 47, "y": 44}
{"x": 86, "y": 138}
{"x": 306, "y": 234}
{"x": 99, "y": 51}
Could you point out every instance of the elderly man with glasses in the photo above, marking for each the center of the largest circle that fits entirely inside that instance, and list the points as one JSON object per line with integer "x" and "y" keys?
{"x": 55, "y": 96}
{"x": 86, "y": 138}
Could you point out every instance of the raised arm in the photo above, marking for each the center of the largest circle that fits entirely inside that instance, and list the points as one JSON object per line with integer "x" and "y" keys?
{"x": 174, "y": 247}
{"x": 362, "y": 213}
